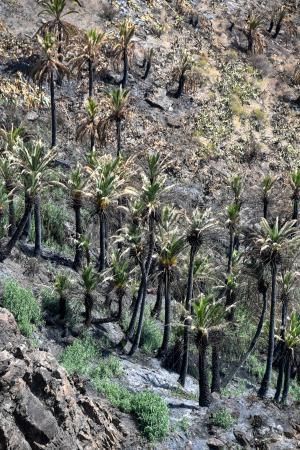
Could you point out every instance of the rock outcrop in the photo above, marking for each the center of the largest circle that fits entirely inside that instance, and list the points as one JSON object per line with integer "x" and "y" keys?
{"x": 40, "y": 407}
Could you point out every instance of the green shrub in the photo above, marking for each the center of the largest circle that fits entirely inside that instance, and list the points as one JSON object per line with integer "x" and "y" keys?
{"x": 222, "y": 418}
{"x": 118, "y": 395}
{"x": 79, "y": 357}
{"x": 152, "y": 414}
{"x": 295, "y": 391}
{"x": 23, "y": 305}
{"x": 49, "y": 301}
{"x": 107, "y": 368}
{"x": 151, "y": 337}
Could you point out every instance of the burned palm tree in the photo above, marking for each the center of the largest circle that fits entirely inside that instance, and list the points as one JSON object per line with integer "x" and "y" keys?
{"x": 47, "y": 69}
{"x": 253, "y": 34}
{"x": 124, "y": 47}
{"x": 87, "y": 54}
{"x": 91, "y": 125}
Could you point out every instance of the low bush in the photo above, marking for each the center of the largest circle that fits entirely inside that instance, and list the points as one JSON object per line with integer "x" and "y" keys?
{"x": 151, "y": 337}
{"x": 152, "y": 414}
{"x": 23, "y": 305}
{"x": 78, "y": 357}
{"x": 222, "y": 418}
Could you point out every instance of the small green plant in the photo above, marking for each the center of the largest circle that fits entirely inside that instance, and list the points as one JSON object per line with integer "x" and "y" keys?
{"x": 184, "y": 424}
{"x": 79, "y": 357}
{"x": 295, "y": 391}
{"x": 54, "y": 219}
{"x": 222, "y": 418}
{"x": 107, "y": 368}
{"x": 23, "y": 305}
{"x": 151, "y": 337}
{"x": 118, "y": 395}
{"x": 152, "y": 414}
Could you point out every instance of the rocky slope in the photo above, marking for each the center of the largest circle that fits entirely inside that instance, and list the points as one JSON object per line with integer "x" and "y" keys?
{"x": 40, "y": 406}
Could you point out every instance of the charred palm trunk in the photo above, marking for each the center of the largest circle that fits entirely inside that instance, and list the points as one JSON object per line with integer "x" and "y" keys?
{"x": 266, "y": 206}
{"x": 271, "y": 26}
{"x": 4, "y": 253}
{"x": 88, "y": 303}
{"x": 287, "y": 376}
{"x": 159, "y": 296}
{"x": 253, "y": 343}
{"x": 250, "y": 41}
{"x": 103, "y": 241}
{"x": 120, "y": 294}
{"x": 216, "y": 369}
{"x": 280, "y": 374}
{"x": 53, "y": 110}
{"x": 78, "y": 231}
{"x": 268, "y": 372}
{"x": 26, "y": 230}
{"x": 295, "y": 198}
{"x": 185, "y": 351}
{"x": 118, "y": 130}
{"x": 138, "y": 334}
{"x": 143, "y": 285}
{"x": 37, "y": 226}
{"x": 230, "y": 251}
{"x": 204, "y": 391}
{"x": 167, "y": 325}
{"x": 147, "y": 69}
{"x": 92, "y": 144}
{"x": 181, "y": 84}
{"x": 125, "y": 68}
{"x": 11, "y": 209}
{"x": 62, "y": 307}
{"x": 278, "y": 28}
{"x": 91, "y": 77}
{"x": 189, "y": 294}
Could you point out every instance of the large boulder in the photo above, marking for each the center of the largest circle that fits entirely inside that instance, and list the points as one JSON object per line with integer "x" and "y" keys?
{"x": 40, "y": 406}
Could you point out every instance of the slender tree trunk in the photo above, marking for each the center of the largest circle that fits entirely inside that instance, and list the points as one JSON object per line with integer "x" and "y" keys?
{"x": 103, "y": 243}
{"x": 295, "y": 206}
{"x": 159, "y": 296}
{"x": 88, "y": 303}
{"x": 250, "y": 42}
{"x": 118, "y": 130}
{"x": 167, "y": 325}
{"x": 252, "y": 345}
{"x": 287, "y": 376}
{"x": 92, "y": 145}
{"x": 62, "y": 307}
{"x": 181, "y": 83}
{"x": 125, "y": 68}
{"x": 230, "y": 251}
{"x": 143, "y": 285}
{"x": 280, "y": 375}
{"x": 271, "y": 26}
{"x": 277, "y": 29}
{"x": 53, "y": 110}
{"x": 216, "y": 369}
{"x": 120, "y": 304}
{"x": 37, "y": 226}
{"x": 185, "y": 352}
{"x": 11, "y": 213}
{"x": 189, "y": 294}
{"x": 204, "y": 391}
{"x": 26, "y": 230}
{"x": 78, "y": 231}
{"x": 266, "y": 205}
{"x": 91, "y": 80}
{"x": 268, "y": 372}
{"x": 4, "y": 253}
{"x": 147, "y": 70}
{"x": 138, "y": 334}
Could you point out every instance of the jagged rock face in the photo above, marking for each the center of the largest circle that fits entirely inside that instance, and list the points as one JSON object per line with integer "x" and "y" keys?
{"x": 40, "y": 406}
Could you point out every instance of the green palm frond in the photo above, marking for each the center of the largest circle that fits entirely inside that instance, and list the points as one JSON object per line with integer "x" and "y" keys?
{"x": 267, "y": 184}
{"x": 200, "y": 224}
{"x": 208, "y": 313}
{"x": 62, "y": 283}
{"x": 90, "y": 279}
{"x": 292, "y": 337}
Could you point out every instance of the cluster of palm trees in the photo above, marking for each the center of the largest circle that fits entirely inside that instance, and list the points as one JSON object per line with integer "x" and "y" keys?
{"x": 143, "y": 238}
